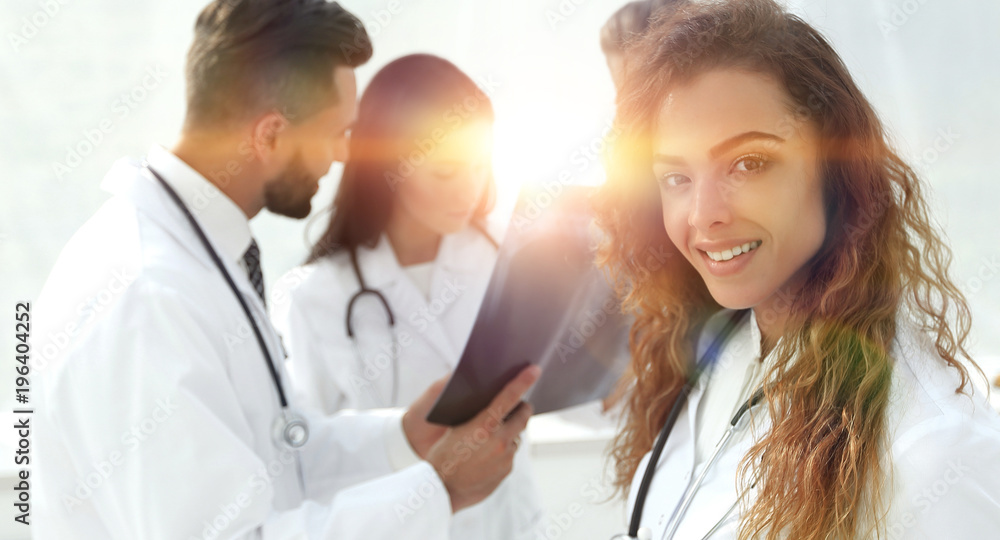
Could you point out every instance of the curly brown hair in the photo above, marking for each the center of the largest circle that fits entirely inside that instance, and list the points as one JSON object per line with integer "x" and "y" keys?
{"x": 820, "y": 472}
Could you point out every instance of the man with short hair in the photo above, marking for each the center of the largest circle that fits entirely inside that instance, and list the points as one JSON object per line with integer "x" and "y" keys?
{"x": 161, "y": 410}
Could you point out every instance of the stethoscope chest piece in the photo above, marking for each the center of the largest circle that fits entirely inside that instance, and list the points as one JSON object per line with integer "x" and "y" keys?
{"x": 290, "y": 430}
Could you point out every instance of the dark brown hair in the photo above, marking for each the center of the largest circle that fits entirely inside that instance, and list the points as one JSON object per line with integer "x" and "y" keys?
{"x": 820, "y": 471}
{"x": 628, "y": 23}
{"x": 252, "y": 56}
{"x": 402, "y": 103}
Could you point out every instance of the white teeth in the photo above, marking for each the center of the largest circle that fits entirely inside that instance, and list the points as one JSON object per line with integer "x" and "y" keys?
{"x": 735, "y": 251}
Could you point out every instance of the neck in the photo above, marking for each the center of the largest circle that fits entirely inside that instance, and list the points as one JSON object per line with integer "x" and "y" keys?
{"x": 772, "y": 316}
{"x": 412, "y": 242}
{"x": 216, "y": 157}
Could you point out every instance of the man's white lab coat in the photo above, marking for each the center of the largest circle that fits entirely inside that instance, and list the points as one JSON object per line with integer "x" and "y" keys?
{"x": 156, "y": 409}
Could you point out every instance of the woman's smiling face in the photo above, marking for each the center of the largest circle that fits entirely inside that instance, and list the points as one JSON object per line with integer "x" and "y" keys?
{"x": 739, "y": 185}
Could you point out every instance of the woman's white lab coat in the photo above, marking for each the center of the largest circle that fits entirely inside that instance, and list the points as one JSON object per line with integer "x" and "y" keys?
{"x": 430, "y": 333}
{"x": 155, "y": 406}
{"x": 945, "y": 453}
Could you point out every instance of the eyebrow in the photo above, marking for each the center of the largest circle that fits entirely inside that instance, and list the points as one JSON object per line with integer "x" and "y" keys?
{"x": 724, "y": 146}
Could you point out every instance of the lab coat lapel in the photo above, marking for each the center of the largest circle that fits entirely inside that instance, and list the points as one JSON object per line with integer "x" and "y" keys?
{"x": 382, "y": 272}
{"x": 712, "y": 509}
{"x": 455, "y": 267}
{"x": 129, "y": 180}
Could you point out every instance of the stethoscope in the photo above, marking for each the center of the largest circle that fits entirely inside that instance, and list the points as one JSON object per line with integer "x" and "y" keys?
{"x": 634, "y": 532}
{"x": 390, "y": 317}
{"x": 290, "y": 430}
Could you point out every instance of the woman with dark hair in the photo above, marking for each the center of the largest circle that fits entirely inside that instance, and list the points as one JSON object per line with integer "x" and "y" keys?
{"x": 384, "y": 304}
{"x": 804, "y": 334}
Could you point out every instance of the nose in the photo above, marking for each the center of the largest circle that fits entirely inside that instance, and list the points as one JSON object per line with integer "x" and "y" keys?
{"x": 710, "y": 204}
{"x": 472, "y": 187}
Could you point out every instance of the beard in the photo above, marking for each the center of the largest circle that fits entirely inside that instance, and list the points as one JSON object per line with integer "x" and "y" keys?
{"x": 290, "y": 194}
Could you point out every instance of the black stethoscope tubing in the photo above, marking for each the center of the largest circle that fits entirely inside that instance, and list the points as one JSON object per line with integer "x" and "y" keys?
{"x": 364, "y": 289}
{"x": 232, "y": 285}
{"x": 390, "y": 315}
{"x": 675, "y": 410}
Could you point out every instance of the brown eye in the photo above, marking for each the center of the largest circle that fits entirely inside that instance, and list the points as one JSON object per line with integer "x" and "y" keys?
{"x": 750, "y": 164}
{"x": 673, "y": 180}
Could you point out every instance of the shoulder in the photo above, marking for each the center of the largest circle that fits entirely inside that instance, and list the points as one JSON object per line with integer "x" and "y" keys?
{"x": 927, "y": 387}
{"x": 928, "y": 418}
{"x": 315, "y": 284}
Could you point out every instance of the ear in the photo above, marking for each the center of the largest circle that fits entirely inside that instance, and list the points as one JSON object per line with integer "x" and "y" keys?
{"x": 266, "y": 133}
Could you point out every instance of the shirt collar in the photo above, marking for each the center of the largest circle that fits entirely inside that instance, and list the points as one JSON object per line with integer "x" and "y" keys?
{"x": 218, "y": 215}
{"x": 380, "y": 266}
{"x": 755, "y": 334}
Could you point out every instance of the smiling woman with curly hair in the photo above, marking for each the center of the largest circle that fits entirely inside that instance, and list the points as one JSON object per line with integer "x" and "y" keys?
{"x": 748, "y": 153}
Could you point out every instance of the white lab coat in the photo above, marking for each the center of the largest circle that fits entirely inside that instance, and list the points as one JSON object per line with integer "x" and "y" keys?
{"x": 310, "y": 307}
{"x": 156, "y": 406}
{"x": 945, "y": 453}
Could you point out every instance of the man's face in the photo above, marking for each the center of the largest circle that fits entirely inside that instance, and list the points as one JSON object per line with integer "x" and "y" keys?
{"x": 312, "y": 147}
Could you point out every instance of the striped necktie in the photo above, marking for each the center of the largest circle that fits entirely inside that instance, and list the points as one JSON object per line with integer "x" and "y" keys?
{"x": 252, "y": 260}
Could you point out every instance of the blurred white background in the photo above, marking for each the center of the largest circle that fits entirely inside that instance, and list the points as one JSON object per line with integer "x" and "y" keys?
{"x": 68, "y": 66}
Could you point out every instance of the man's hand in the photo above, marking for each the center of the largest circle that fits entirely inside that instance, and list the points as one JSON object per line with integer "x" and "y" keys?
{"x": 473, "y": 458}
